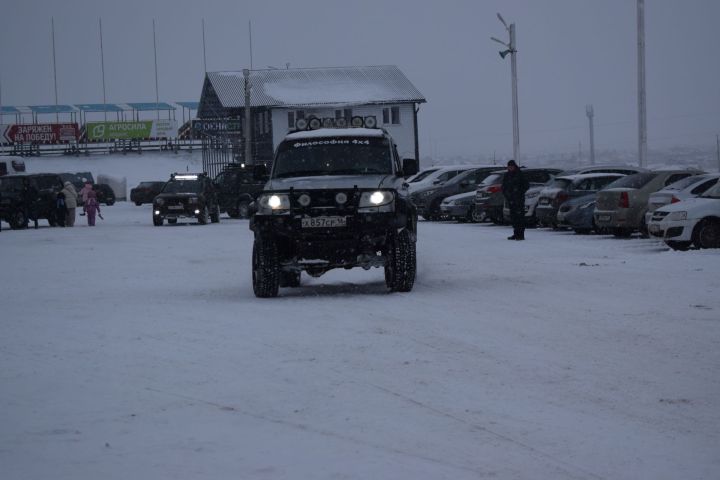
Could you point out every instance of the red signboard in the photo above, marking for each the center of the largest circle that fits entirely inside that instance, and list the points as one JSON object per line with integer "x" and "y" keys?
{"x": 40, "y": 133}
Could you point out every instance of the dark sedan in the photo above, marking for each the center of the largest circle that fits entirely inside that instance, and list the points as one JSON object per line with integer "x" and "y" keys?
{"x": 145, "y": 192}
{"x": 428, "y": 200}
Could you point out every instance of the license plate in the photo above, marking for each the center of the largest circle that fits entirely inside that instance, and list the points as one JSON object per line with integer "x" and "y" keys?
{"x": 175, "y": 207}
{"x": 324, "y": 222}
{"x": 604, "y": 218}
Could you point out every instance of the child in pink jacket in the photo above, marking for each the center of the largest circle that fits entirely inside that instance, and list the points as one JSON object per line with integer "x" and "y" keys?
{"x": 92, "y": 207}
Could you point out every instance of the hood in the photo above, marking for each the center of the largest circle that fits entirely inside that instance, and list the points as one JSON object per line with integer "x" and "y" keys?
{"x": 331, "y": 182}
{"x": 460, "y": 196}
{"x": 178, "y": 195}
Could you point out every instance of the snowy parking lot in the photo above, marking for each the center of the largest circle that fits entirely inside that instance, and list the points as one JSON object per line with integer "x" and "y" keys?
{"x": 131, "y": 351}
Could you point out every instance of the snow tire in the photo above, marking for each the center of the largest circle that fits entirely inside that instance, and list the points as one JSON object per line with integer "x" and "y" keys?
{"x": 265, "y": 268}
{"x": 401, "y": 263}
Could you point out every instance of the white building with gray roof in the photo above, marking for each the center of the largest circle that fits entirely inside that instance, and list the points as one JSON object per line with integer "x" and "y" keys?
{"x": 278, "y": 98}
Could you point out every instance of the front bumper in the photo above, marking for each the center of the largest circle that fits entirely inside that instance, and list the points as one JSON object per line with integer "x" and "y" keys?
{"x": 187, "y": 211}
{"x": 676, "y": 231}
{"x": 546, "y": 214}
{"x": 361, "y": 242}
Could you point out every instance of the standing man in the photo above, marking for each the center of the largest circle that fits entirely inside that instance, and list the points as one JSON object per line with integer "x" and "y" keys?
{"x": 70, "y": 203}
{"x": 514, "y": 186}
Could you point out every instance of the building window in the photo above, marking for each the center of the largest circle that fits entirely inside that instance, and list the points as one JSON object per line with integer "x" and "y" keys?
{"x": 299, "y": 114}
{"x": 348, "y": 114}
{"x": 291, "y": 119}
{"x": 338, "y": 114}
{"x": 391, "y": 115}
{"x": 395, "y": 115}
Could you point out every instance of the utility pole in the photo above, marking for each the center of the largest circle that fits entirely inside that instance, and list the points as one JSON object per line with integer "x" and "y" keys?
{"x": 203, "y": 35}
{"x": 717, "y": 142}
{"x": 512, "y": 50}
{"x": 102, "y": 67}
{"x": 590, "y": 114}
{"x": 52, "y": 26}
{"x": 157, "y": 91}
{"x": 247, "y": 130}
{"x": 642, "y": 111}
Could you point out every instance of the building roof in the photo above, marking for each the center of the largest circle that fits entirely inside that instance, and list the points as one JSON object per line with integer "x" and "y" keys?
{"x": 144, "y": 107}
{"x": 42, "y": 109}
{"x": 297, "y": 87}
{"x": 99, "y": 107}
{"x": 190, "y": 105}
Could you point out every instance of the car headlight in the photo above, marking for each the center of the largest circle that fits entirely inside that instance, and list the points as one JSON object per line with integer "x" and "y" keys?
{"x": 159, "y": 201}
{"x": 193, "y": 200}
{"x": 674, "y": 216}
{"x": 377, "y": 201}
{"x": 273, "y": 203}
{"x": 532, "y": 194}
{"x": 426, "y": 193}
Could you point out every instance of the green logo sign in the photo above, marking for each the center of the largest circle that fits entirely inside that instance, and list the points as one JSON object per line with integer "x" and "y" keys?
{"x": 118, "y": 130}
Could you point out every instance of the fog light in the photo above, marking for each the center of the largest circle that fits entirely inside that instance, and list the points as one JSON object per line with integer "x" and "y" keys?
{"x": 304, "y": 200}
{"x": 341, "y": 198}
{"x": 157, "y": 212}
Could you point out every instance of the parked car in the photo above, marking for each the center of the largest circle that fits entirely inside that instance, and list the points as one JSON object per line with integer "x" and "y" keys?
{"x": 577, "y": 214}
{"x": 104, "y": 193}
{"x": 29, "y": 197}
{"x": 562, "y": 189}
{"x": 428, "y": 200}
{"x": 145, "y": 192}
{"x": 621, "y": 206}
{"x": 436, "y": 176}
{"x": 681, "y": 190}
{"x": 187, "y": 195}
{"x": 460, "y": 207}
{"x": 533, "y": 194}
{"x": 238, "y": 187}
{"x": 695, "y": 221}
{"x": 489, "y": 200}
{"x": 15, "y": 200}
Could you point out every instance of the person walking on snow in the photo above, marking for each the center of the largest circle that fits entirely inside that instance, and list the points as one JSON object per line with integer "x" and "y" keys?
{"x": 84, "y": 193}
{"x": 514, "y": 186}
{"x": 92, "y": 207}
{"x": 70, "y": 203}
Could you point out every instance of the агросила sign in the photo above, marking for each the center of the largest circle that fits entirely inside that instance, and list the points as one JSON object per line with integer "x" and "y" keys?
{"x": 131, "y": 130}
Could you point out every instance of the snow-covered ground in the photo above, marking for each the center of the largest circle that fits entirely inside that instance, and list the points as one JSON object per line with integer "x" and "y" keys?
{"x": 131, "y": 351}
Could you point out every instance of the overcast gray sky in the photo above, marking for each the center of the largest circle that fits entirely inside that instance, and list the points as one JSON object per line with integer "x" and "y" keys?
{"x": 570, "y": 53}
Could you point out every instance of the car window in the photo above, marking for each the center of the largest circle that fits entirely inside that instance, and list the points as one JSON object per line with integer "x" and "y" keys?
{"x": 703, "y": 186}
{"x": 445, "y": 176}
{"x": 601, "y": 182}
{"x": 675, "y": 177}
{"x": 537, "y": 177}
{"x": 562, "y": 183}
{"x": 11, "y": 185}
{"x": 682, "y": 184}
{"x": 423, "y": 174}
{"x": 637, "y": 180}
{"x": 712, "y": 192}
{"x": 493, "y": 178}
{"x": 585, "y": 184}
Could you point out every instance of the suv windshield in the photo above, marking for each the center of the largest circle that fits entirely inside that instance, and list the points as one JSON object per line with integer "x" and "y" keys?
{"x": 333, "y": 156}
{"x": 182, "y": 186}
{"x": 638, "y": 180}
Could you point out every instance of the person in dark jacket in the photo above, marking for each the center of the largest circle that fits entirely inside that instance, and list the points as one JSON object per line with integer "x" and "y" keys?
{"x": 514, "y": 186}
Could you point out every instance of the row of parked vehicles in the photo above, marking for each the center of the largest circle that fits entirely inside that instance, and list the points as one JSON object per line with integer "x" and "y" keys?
{"x": 611, "y": 199}
{"x": 32, "y": 197}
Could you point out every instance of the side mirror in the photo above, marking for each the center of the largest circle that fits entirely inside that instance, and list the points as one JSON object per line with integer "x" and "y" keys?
{"x": 410, "y": 167}
{"x": 260, "y": 172}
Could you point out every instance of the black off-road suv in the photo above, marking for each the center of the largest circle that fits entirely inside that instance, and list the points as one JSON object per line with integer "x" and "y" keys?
{"x": 187, "y": 195}
{"x": 238, "y": 188}
{"x": 26, "y": 198}
{"x": 336, "y": 198}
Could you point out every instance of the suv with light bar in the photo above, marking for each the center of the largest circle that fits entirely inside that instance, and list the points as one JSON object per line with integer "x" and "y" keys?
{"x": 336, "y": 198}
{"x": 186, "y": 195}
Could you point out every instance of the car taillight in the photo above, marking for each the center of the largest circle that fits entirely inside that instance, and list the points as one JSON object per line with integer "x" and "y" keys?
{"x": 674, "y": 199}
{"x": 560, "y": 198}
{"x": 494, "y": 188}
{"x": 624, "y": 200}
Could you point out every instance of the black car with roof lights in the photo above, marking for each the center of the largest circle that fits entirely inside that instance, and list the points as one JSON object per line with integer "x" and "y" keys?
{"x": 336, "y": 198}
{"x": 186, "y": 195}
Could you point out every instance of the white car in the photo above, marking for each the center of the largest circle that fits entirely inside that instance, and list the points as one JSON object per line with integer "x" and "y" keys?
{"x": 695, "y": 221}
{"x": 688, "y": 187}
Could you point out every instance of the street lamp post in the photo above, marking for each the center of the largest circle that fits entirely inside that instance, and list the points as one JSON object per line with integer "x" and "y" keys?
{"x": 590, "y": 114}
{"x": 512, "y": 50}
